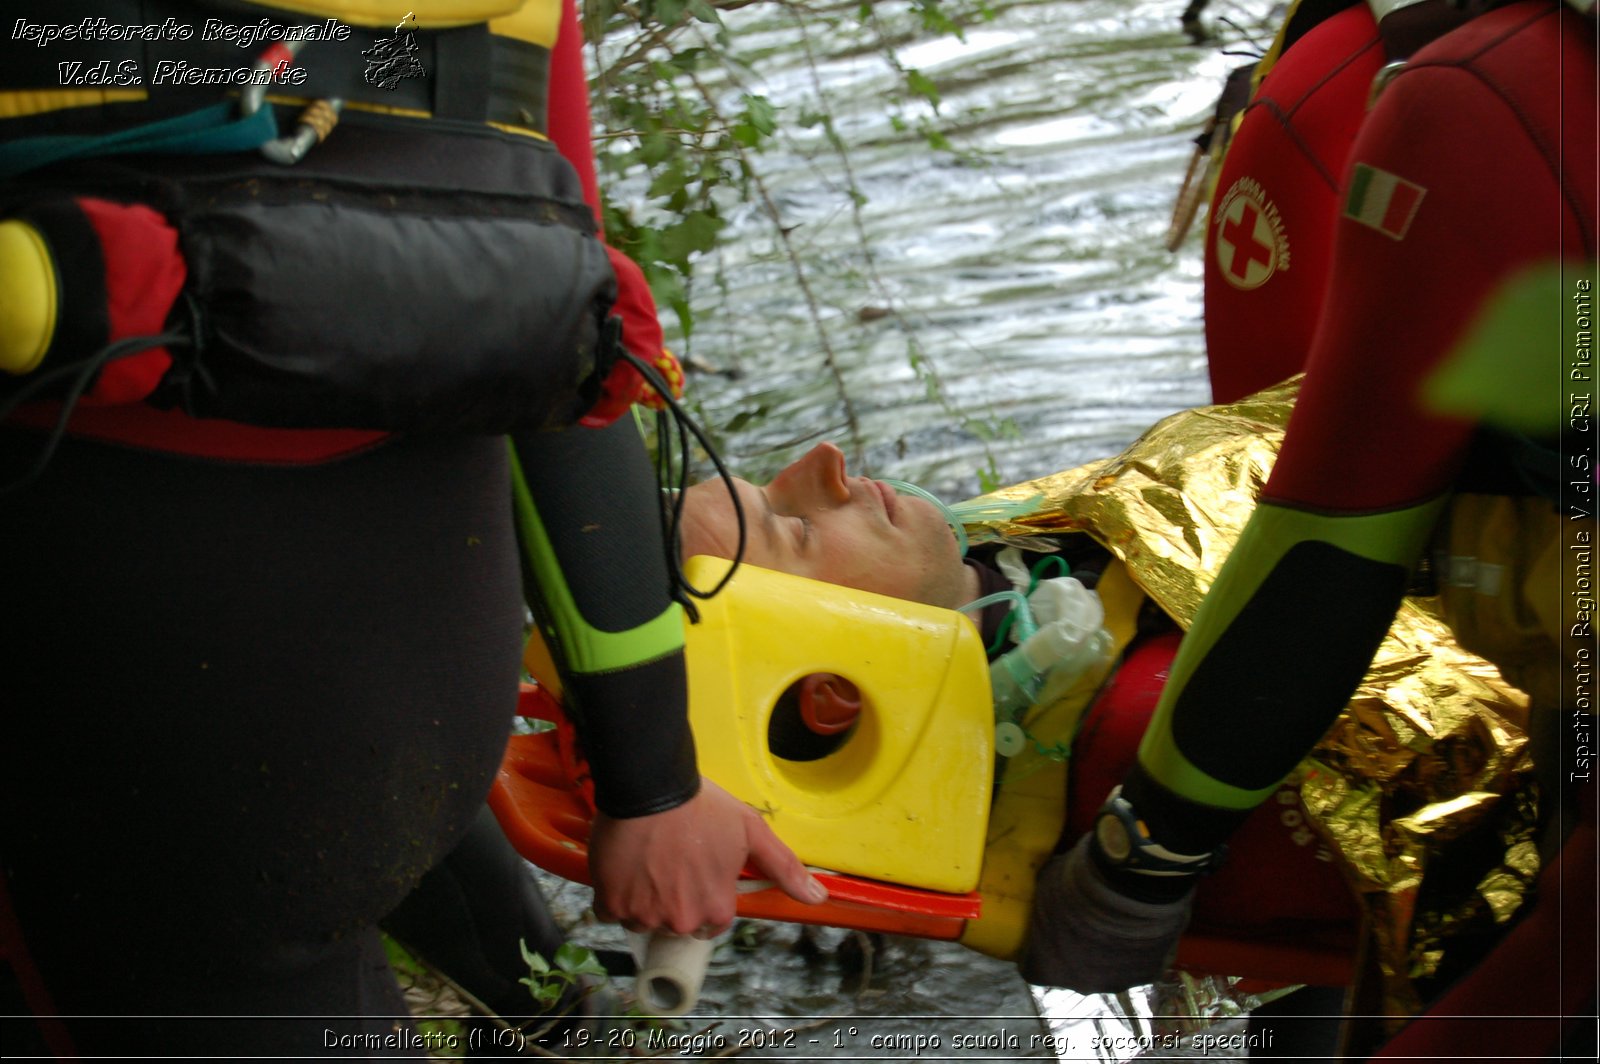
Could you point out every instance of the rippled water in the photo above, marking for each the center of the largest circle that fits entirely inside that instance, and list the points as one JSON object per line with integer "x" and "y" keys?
{"x": 1029, "y": 273}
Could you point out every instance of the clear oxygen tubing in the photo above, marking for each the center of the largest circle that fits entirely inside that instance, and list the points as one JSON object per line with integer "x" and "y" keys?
{"x": 956, "y": 517}
{"x": 925, "y": 495}
{"x": 983, "y": 509}
{"x": 959, "y": 515}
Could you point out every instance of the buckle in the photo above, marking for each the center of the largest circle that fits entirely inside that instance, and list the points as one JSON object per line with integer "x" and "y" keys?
{"x": 1124, "y": 842}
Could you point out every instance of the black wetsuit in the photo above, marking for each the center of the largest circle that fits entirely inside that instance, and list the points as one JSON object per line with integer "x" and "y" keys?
{"x": 249, "y": 708}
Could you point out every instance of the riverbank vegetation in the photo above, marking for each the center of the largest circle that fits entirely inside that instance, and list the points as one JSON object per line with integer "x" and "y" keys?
{"x": 682, "y": 132}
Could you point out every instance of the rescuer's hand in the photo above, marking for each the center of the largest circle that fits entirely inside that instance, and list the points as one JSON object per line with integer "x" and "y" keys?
{"x": 675, "y": 871}
{"x": 1087, "y": 936}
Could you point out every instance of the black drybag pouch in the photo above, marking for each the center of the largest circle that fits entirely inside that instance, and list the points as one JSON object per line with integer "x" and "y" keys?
{"x": 407, "y": 276}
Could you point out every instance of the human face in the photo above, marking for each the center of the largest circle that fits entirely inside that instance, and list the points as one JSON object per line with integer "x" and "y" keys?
{"x": 815, "y": 521}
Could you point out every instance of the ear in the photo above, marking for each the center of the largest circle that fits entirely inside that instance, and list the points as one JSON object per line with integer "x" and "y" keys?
{"x": 829, "y": 703}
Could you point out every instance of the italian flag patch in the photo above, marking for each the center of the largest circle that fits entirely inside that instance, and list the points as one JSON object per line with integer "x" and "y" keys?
{"x": 1382, "y": 201}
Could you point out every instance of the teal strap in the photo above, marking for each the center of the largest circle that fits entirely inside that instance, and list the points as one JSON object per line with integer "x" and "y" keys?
{"x": 208, "y": 131}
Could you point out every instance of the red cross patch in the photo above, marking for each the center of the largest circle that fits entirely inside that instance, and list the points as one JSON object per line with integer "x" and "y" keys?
{"x": 1251, "y": 244}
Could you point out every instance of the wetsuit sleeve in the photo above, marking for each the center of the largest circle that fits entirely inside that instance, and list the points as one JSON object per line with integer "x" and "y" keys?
{"x": 597, "y": 581}
{"x": 567, "y": 120}
{"x": 1449, "y": 193}
{"x": 571, "y": 131}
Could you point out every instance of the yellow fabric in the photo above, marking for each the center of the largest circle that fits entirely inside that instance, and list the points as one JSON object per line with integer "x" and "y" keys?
{"x": 28, "y": 297}
{"x": 1498, "y": 567}
{"x": 22, "y": 104}
{"x": 536, "y": 21}
{"x": 428, "y": 14}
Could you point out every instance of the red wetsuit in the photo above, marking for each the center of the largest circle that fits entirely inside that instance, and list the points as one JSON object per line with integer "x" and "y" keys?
{"x": 1271, "y": 220}
{"x": 1477, "y": 161}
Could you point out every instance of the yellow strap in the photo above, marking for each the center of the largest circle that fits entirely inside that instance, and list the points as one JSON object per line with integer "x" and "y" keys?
{"x": 427, "y": 14}
{"x": 534, "y": 21}
{"x": 21, "y": 103}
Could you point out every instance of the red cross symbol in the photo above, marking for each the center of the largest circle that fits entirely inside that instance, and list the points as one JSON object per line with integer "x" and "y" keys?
{"x": 1241, "y": 233}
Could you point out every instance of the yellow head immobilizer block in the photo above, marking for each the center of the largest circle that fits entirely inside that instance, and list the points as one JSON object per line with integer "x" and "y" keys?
{"x": 904, "y": 797}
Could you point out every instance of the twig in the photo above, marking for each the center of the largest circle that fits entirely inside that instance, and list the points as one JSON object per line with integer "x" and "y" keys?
{"x": 868, "y": 950}
{"x": 813, "y": 310}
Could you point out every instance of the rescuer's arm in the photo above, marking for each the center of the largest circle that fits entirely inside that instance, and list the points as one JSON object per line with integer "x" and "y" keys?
{"x": 666, "y": 846}
{"x": 1288, "y": 629}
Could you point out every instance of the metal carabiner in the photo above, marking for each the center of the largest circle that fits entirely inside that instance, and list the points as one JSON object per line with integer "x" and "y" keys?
{"x": 314, "y": 123}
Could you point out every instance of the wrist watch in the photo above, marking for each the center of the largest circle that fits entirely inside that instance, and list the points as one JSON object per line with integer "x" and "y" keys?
{"x": 1124, "y": 842}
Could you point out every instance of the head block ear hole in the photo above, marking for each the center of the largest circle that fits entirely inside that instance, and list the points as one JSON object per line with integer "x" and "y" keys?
{"x": 814, "y": 717}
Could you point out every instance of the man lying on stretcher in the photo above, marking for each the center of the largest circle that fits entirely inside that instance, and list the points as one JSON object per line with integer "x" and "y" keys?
{"x": 815, "y": 520}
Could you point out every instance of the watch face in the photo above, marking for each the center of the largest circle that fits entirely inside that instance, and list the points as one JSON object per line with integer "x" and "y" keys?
{"x": 1112, "y": 835}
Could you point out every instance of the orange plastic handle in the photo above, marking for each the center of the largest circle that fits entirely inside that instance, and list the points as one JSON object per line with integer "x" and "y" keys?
{"x": 543, "y": 800}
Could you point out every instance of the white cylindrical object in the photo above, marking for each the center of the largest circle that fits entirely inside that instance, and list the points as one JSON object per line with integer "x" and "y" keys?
{"x": 671, "y": 969}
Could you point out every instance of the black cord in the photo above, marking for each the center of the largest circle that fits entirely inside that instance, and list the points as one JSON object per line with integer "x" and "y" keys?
{"x": 85, "y": 372}
{"x": 671, "y": 485}
{"x": 1259, "y": 53}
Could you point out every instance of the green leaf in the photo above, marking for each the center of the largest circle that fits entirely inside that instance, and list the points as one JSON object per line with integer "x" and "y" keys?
{"x": 704, "y": 12}
{"x": 666, "y": 285}
{"x": 695, "y": 232}
{"x": 654, "y": 146}
{"x": 923, "y": 85}
{"x": 685, "y": 315}
{"x": 761, "y": 113}
{"x": 667, "y": 181}
{"x": 688, "y": 59}
{"x": 544, "y": 992}
{"x": 743, "y": 418}
{"x": 668, "y": 12}
{"x": 578, "y": 960}
{"x": 1509, "y": 367}
{"x": 535, "y": 961}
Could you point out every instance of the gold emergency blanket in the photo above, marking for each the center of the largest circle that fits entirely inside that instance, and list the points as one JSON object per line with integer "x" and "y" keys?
{"x": 1428, "y": 764}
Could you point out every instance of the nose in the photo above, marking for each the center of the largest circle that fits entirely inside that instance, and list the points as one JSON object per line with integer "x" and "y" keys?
{"x": 815, "y": 479}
